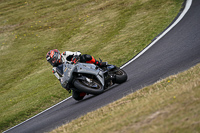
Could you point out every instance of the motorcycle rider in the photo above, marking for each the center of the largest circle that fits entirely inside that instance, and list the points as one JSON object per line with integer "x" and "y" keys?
{"x": 56, "y": 59}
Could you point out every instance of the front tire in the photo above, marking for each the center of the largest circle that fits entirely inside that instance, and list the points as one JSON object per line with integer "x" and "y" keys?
{"x": 91, "y": 87}
{"x": 77, "y": 95}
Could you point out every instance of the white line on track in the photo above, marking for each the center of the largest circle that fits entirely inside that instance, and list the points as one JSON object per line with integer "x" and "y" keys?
{"x": 38, "y": 114}
{"x": 187, "y": 7}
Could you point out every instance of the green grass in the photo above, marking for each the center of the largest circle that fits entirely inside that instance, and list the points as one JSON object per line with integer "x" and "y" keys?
{"x": 170, "y": 105}
{"x": 114, "y": 30}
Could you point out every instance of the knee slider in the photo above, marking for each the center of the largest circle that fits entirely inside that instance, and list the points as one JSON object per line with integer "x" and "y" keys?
{"x": 88, "y": 57}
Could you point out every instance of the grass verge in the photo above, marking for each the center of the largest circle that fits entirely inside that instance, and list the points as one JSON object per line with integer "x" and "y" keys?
{"x": 170, "y": 105}
{"x": 114, "y": 30}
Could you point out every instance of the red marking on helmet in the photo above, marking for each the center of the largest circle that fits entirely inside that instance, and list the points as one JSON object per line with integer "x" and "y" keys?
{"x": 51, "y": 54}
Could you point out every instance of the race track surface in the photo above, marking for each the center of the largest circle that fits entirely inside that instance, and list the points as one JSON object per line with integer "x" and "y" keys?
{"x": 177, "y": 51}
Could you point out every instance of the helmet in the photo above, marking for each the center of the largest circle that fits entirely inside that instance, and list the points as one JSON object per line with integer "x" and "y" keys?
{"x": 54, "y": 57}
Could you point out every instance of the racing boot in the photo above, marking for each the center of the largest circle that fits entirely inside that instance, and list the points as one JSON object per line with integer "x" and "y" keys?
{"x": 101, "y": 64}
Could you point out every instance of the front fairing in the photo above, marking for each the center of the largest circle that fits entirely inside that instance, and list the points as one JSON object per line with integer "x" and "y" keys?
{"x": 86, "y": 68}
{"x": 80, "y": 68}
{"x": 68, "y": 70}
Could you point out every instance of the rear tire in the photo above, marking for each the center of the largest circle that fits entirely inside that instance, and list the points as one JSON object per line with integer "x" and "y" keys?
{"x": 93, "y": 87}
{"x": 121, "y": 76}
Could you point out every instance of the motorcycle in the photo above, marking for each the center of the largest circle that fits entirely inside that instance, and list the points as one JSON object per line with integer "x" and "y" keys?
{"x": 85, "y": 78}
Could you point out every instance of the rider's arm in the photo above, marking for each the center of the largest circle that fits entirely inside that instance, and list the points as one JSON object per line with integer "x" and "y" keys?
{"x": 55, "y": 73}
{"x": 68, "y": 55}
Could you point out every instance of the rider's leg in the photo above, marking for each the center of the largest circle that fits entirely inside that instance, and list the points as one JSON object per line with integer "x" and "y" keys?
{"x": 90, "y": 59}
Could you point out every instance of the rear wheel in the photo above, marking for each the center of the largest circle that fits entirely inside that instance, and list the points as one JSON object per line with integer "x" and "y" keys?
{"x": 121, "y": 76}
{"x": 90, "y": 86}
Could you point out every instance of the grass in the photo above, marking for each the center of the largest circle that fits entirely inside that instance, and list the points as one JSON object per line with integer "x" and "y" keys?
{"x": 113, "y": 30}
{"x": 170, "y": 105}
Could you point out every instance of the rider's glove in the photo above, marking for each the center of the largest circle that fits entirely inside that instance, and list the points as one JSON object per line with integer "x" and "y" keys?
{"x": 75, "y": 59}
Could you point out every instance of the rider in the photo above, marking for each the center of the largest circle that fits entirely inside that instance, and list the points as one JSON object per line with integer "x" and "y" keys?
{"x": 55, "y": 58}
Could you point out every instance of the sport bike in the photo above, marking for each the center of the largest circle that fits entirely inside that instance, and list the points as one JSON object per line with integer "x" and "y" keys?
{"x": 90, "y": 79}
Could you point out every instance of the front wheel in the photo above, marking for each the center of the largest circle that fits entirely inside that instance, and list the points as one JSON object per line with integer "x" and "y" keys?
{"x": 90, "y": 86}
{"x": 78, "y": 95}
{"x": 121, "y": 76}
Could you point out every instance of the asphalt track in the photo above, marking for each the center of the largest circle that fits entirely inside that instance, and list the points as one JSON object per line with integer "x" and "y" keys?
{"x": 175, "y": 52}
